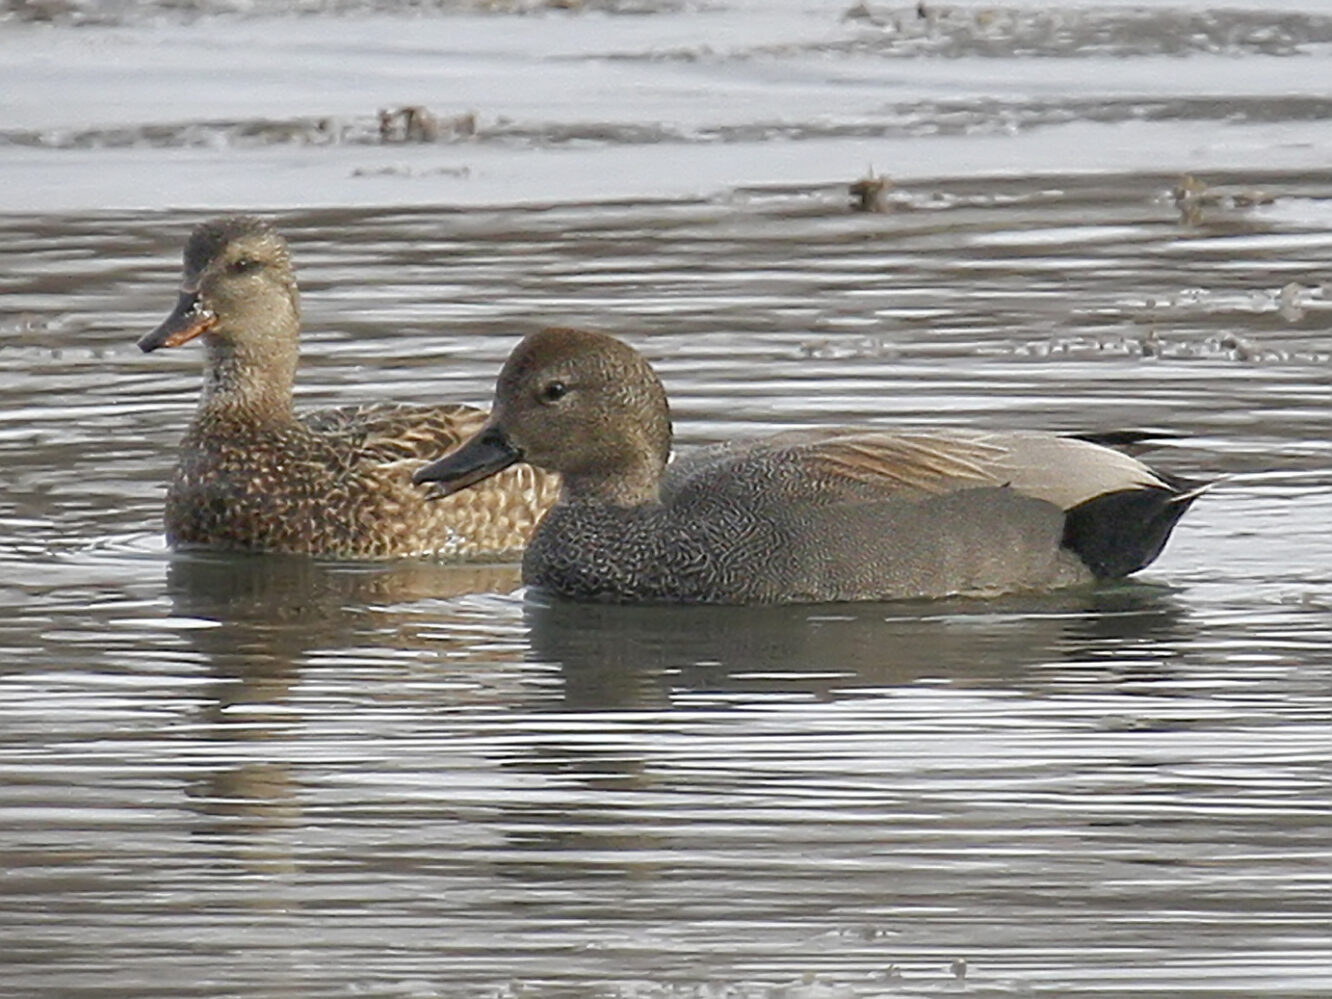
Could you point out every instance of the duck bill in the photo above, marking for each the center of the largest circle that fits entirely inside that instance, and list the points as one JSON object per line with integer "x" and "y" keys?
{"x": 187, "y": 320}
{"x": 486, "y": 454}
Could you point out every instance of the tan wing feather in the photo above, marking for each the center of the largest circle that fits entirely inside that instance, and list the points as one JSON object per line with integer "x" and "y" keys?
{"x": 829, "y": 465}
{"x": 1064, "y": 471}
{"x": 904, "y": 462}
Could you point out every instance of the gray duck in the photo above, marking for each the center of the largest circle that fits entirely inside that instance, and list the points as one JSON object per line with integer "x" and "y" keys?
{"x": 828, "y": 514}
{"x": 254, "y": 475}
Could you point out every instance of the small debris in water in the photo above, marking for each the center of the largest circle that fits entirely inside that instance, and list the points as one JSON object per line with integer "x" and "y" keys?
{"x": 858, "y": 12}
{"x": 1240, "y": 349}
{"x": 1288, "y": 302}
{"x": 1187, "y": 195}
{"x": 867, "y": 194}
{"x": 415, "y": 123}
{"x": 1192, "y": 194}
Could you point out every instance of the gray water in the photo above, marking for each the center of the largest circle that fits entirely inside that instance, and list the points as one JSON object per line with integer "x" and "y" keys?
{"x": 271, "y": 777}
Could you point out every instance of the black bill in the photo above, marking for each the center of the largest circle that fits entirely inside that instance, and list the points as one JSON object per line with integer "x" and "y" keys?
{"x": 478, "y": 459}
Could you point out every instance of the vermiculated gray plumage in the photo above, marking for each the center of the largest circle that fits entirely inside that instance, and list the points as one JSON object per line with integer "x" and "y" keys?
{"x": 806, "y": 516}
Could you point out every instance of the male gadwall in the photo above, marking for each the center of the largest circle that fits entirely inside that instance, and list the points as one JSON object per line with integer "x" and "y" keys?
{"x": 253, "y": 475}
{"x": 808, "y": 516}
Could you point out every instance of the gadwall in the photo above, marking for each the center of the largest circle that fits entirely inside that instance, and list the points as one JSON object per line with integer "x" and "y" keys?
{"x": 253, "y": 475}
{"x": 808, "y": 516}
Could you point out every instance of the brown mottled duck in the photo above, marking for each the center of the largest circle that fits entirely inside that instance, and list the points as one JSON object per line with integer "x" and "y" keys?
{"x": 254, "y": 475}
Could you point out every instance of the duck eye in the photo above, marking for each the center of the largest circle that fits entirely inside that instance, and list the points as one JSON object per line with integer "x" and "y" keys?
{"x": 244, "y": 265}
{"x": 554, "y": 391}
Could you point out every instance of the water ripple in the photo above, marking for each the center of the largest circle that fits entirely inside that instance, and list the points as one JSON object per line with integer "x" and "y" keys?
{"x": 224, "y": 775}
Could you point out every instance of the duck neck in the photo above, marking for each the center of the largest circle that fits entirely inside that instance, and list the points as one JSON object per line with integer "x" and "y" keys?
{"x": 626, "y": 486}
{"x": 247, "y": 383}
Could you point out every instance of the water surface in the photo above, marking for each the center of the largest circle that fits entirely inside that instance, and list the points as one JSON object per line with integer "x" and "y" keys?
{"x": 271, "y": 777}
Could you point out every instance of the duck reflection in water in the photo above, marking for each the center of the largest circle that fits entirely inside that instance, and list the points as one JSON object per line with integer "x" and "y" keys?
{"x": 613, "y": 657}
{"x": 259, "y": 624}
{"x": 682, "y": 683}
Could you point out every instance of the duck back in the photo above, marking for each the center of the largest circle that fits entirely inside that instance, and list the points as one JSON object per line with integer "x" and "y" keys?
{"x": 337, "y": 483}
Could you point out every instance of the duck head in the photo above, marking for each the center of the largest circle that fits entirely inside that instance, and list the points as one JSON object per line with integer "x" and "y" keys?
{"x": 579, "y": 403}
{"x": 238, "y": 292}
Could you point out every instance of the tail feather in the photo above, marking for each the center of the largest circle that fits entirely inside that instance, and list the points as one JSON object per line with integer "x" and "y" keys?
{"x": 1129, "y": 441}
{"x": 1118, "y": 533}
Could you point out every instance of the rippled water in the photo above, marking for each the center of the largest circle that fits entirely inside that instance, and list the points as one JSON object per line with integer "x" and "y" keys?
{"x": 224, "y": 102}
{"x": 270, "y": 777}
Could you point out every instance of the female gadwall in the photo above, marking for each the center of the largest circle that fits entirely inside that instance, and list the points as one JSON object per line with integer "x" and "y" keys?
{"x": 808, "y": 516}
{"x": 253, "y": 475}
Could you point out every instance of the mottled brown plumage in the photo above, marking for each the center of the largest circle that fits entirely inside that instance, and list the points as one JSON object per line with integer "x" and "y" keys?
{"x": 253, "y": 475}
